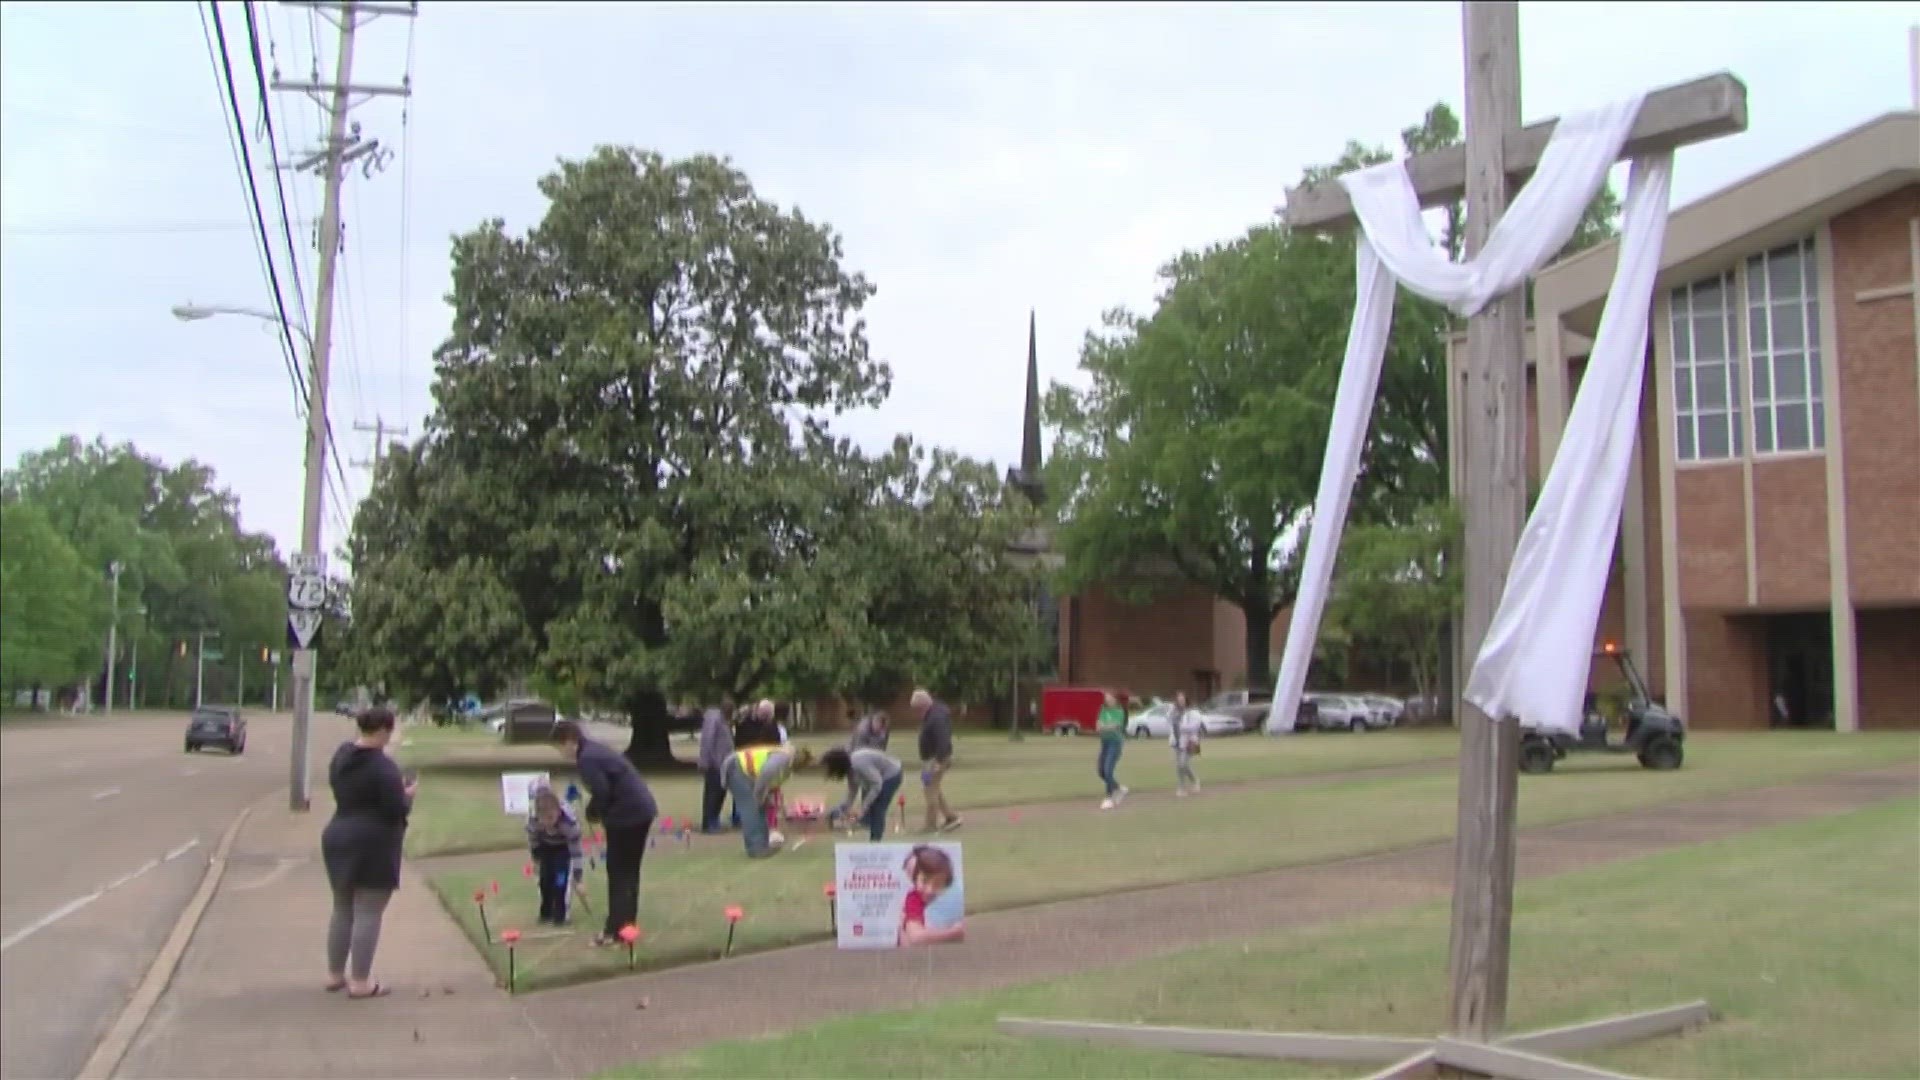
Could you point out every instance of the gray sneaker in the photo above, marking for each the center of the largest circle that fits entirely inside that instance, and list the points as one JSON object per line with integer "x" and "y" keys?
{"x": 952, "y": 823}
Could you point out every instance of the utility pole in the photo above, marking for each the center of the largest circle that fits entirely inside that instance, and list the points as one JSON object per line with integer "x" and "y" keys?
{"x": 343, "y": 147}
{"x": 113, "y": 630}
{"x": 200, "y": 666}
{"x": 382, "y": 434}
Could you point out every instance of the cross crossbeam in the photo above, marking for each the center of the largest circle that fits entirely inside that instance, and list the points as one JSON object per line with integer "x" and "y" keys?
{"x": 1689, "y": 112}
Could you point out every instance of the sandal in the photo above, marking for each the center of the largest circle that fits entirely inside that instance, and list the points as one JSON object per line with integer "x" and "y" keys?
{"x": 376, "y": 990}
{"x": 336, "y": 987}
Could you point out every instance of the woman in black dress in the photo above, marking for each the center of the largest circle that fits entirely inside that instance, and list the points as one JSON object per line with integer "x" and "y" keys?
{"x": 361, "y": 849}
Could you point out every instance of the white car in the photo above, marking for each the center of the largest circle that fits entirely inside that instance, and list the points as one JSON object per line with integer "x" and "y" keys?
{"x": 1155, "y": 723}
{"x": 1346, "y": 712}
{"x": 1387, "y": 709}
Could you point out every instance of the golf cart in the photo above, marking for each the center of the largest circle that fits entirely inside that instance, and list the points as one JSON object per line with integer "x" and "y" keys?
{"x": 1655, "y": 736}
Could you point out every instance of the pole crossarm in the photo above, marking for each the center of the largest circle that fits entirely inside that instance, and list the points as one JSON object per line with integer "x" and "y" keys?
{"x": 1689, "y": 112}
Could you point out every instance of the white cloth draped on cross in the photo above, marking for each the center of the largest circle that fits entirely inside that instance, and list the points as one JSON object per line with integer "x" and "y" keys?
{"x": 1533, "y": 664}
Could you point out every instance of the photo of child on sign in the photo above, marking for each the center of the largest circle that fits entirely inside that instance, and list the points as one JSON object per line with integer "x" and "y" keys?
{"x": 892, "y": 896}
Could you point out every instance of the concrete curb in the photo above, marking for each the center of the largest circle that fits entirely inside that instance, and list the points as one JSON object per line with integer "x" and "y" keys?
{"x": 107, "y": 1055}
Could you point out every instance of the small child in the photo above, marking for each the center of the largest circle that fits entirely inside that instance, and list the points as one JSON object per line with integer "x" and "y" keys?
{"x": 931, "y": 873}
{"x": 1184, "y": 731}
{"x": 553, "y": 839}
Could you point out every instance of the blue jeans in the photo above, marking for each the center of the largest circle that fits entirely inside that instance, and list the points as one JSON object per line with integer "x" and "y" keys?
{"x": 753, "y": 822}
{"x": 882, "y": 805}
{"x": 1110, "y": 747}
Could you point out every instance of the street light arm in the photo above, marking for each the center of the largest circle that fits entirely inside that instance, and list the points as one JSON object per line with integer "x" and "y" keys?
{"x": 199, "y": 312}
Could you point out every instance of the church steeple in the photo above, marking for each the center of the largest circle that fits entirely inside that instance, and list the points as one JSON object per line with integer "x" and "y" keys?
{"x": 1026, "y": 476}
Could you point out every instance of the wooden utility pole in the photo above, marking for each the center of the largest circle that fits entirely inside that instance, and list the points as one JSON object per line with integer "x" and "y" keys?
{"x": 382, "y": 434}
{"x": 1494, "y": 503}
{"x": 344, "y": 147}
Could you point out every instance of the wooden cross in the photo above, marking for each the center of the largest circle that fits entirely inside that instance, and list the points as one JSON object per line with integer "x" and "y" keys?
{"x": 1498, "y": 153}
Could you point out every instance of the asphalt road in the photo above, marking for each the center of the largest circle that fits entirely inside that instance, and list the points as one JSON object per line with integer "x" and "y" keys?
{"x": 106, "y": 826}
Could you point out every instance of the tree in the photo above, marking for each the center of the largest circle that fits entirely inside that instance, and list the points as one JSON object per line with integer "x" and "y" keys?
{"x": 53, "y": 612}
{"x": 1397, "y": 590}
{"x": 186, "y": 561}
{"x": 615, "y": 407}
{"x": 1198, "y": 444}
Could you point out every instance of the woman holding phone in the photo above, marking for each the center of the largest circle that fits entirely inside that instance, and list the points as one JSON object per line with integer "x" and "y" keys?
{"x": 361, "y": 849}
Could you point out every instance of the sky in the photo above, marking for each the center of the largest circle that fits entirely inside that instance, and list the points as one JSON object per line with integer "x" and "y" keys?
{"x": 980, "y": 161}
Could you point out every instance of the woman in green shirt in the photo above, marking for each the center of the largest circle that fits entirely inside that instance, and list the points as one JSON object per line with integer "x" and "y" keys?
{"x": 1113, "y": 738}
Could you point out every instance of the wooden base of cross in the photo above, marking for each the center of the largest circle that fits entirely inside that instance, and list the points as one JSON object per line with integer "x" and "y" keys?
{"x": 1514, "y": 1057}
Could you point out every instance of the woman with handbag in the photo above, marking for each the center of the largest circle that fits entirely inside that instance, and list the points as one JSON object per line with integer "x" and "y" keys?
{"x": 1183, "y": 732}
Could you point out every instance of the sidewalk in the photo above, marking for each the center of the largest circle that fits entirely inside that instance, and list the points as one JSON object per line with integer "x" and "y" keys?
{"x": 247, "y": 1001}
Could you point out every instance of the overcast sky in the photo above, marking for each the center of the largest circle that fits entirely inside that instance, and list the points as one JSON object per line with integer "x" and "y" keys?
{"x": 980, "y": 160}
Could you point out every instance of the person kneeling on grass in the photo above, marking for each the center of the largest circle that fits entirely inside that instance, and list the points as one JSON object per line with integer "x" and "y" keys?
{"x": 753, "y": 777}
{"x": 553, "y": 840}
{"x": 873, "y": 779}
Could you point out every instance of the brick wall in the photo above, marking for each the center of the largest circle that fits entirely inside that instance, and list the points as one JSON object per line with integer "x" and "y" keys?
{"x": 1888, "y": 641}
{"x": 1726, "y": 671}
{"x": 1879, "y": 398}
{"x": 1790, "y": 531}
{"x": 1147, "y": 648}
{"x": 1710, "y": 501}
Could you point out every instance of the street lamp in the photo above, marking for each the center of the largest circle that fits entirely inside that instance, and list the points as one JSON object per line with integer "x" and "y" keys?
{"x": 1025, "y": 550}
{"x": 310, "y": 560}
{"x": 133, "y": 668}
{"x": 113, "y": 629}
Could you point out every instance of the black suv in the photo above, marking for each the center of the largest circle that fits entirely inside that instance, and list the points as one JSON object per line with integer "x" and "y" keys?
{"x": 217, "y": 727}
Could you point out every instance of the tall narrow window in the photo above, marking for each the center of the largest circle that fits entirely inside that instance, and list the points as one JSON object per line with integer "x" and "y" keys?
{"x": 1706, "y": 370}
{"x": 1783, "y": 336}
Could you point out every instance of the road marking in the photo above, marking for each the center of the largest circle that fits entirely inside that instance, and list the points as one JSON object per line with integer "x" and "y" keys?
{"x": 76, "y": 904}
{"x": 107, "y": 794}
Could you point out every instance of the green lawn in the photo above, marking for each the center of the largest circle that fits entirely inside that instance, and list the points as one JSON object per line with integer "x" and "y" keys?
{"x": 1805, "y": 938}
{"x": 1069, "y": 851}
{"x": 457, "y": 809}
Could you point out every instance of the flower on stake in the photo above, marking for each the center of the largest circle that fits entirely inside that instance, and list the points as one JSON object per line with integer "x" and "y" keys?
{"x": 734, "y": 915}
{"x": 511, "y": 938}
{"x": 833, "y": 906}
{"x": 480, "y": 901}
{"x": 630, "y": 934}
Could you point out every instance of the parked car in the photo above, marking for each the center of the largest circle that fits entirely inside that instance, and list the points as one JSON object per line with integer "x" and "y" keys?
{"x": 1427, "y": 709}
{"x": 1073, "y": 710}
{"x": 1387, "y": 709}
{"x": 1342, "y": 712}
{"x": 1156, "y": 722}
{"x": 1250, "y": 707}
{"x": 217, "y": 726}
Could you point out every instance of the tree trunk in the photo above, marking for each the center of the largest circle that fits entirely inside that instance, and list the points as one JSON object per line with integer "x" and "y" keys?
{"x": 1259, "y": 619}
{"x": 648, "y": 747}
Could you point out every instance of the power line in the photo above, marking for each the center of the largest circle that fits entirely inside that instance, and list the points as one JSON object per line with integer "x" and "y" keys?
{"x": 226, "y": 78}
{"x": 406, "y": 209}
{"x": 273, "y": 148}
{"x": 244, "y": 163}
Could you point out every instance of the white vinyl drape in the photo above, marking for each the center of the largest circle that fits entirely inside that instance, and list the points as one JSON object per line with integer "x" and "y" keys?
{"x": 1533, "y": 664}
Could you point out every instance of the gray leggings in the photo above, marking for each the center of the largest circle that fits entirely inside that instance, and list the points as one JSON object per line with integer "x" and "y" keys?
{"x": 1183, "y": 769}
{"x": 355, "y": 929}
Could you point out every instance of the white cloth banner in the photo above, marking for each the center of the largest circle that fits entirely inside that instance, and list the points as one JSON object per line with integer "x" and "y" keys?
{"x": 1514, "y": 674}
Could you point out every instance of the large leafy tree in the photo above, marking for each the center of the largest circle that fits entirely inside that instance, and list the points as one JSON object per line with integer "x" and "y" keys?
{"x": 1397, "y": 590}
{"x": 626, "y": 396}
{"x": 53, "y": 606}
{"x": 1197, "y": 445}
{"x": 187, "y": 563}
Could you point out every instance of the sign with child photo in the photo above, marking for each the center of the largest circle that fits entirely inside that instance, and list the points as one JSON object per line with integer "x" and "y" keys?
{"x": 890, "y": 896}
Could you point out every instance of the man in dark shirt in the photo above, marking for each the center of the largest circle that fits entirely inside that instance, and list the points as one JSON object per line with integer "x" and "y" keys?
{"x": 936, "y": 757}
{"x": 619, "y": 799}
{"x": 716, "y": 746}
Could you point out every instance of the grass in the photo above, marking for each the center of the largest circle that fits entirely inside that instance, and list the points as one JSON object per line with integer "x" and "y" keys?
{"x": 1805, "y": 938}
{"x": 1069, "y": 851}
{"x": 457, "y": 810}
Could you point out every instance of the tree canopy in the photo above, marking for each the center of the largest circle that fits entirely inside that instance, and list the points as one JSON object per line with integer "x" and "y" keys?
{"x": 187, "y": 565}
{"x": 629, "y": 488}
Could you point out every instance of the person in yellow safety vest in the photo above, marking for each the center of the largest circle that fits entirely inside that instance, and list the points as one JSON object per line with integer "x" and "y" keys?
{"x": 753, "y": 775}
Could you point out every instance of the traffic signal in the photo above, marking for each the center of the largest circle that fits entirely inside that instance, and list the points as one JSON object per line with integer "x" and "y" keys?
{"x": 182, "y": 651}
{"x": 263, "y": 654}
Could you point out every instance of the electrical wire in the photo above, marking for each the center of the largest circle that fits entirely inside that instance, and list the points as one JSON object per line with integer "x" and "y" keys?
{"x": 217, "y": 45}
{"x": 244, "y": 163}
{"x": 406, "y": 210}
{"x": 273, "y": 148}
